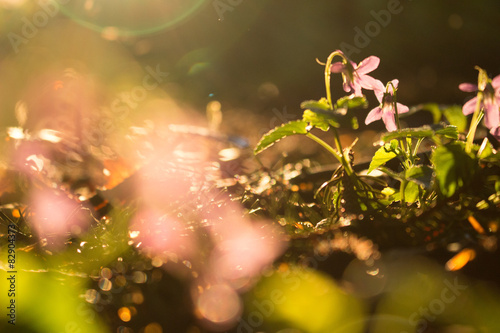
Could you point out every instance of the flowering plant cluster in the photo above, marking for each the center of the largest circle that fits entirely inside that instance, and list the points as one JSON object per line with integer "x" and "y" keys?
{"x": 422, "y": 188}
{"x": 216, "y": 248}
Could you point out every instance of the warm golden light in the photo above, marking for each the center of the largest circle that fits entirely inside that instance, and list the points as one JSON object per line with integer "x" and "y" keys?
{"x": 124, "y": 314}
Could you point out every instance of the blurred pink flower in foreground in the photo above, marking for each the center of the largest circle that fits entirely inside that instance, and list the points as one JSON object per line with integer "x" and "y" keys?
{"x": 246, "y": 252}
{"x": 159, "y": 234}
{"x": 55, "y": 217}
{"x": 354, "y": 75}
{"x": 385, "y": 110}
{"x": 490, "y": 103}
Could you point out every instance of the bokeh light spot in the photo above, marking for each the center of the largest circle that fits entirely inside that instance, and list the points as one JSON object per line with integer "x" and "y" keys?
{"x": 106, "y": 273}
{"x": 153, "y": 328}
{"x": 92, "y": 296}
{"x": 139, "y": 277}
{"x": 124, "y": 314}
{"x": 137, "y": 297}
{"x": 455, "y": 21}
{"x": 219, "y": 304}
{"x": 268, "y": 90}
{"x": 105, "y": 284}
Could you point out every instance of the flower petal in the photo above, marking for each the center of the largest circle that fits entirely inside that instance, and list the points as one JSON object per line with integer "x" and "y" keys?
{"x": 368, "y": 65}
{"x": 496, "y": 133}
{"x": 468, "y": 87}
{"x": 402, "y": 108}
{"x": 491, "y": 114}
{"x": 470, "y": 106}
{"x": 395, "y": 83}
{"x": 379, "y": 90}
{"x": 373, "y": 115}
{"x": 337, "y": 67}
{"x": 369, "y": 83}
{"x": 348, "y": 87}
{"x": 389, "y": 121}
{"x": 357, "y": 90}
{"x": 496, "y": 82}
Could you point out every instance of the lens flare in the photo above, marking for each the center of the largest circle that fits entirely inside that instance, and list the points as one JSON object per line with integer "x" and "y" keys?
{"x": 132, "y": 17}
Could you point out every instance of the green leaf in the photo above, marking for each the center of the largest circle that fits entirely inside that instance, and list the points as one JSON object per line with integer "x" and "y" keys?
{"x": 448, "y": 132}
{"x": 453, "y": 166}
{"x": 319, "y": 120}
{"x": 420, "y": 178}
{"x": 422, "y": 132}
{"x": 278, "y": 133}
{"x": 319, "y": 114}
{"x": 321, "y": 105}
{"x": 350, "y": 102}
{"x": 412, "y": 192}
{"x": 455, "y": 117}
{"x": 421, "y": 175}
{"x": 487, "y": 152}
{"x": 453, "y": 114}
{"x": 383, "y": 155}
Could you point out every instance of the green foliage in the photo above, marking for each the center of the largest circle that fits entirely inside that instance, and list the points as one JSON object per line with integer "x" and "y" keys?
{"x": 349, "y": 102}
{"x": 312, "y": 303}
{"x": 452, "y": 114}
{"x": 322, "y": 121}
{"x": 384, "y": 154}
{"x": 423, "y": 132}
{"x": 316, "y": 106}
{"x": 454, "y": 168}
{"x": 273, "y": 136}
{"x": 420, "y": 179}
{"x": 455, "y": 117}
{"x": 317, "y": 114}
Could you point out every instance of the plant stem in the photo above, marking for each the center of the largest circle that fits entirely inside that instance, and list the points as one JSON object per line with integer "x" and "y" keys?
{"x": 328, "y": 74}
{"x": 402, "y": 188}
{"x": 474, "y": 123}
{"x": 406, "y": 148}
{"x": 325, "y": 145}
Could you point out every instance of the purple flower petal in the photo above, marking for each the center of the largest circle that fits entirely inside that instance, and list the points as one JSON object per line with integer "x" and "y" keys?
{"x": 496, "y": 82}
{"x": 491, "y": 114}
{"x": 395, "y": 83}
{"x": 402, "y": 108}
{"x": 496, "y": 133}
{"x": 348, "y": 86}
{"x": 369, "y": 83}
{"x": 388, "y": 119}
{"x": 337, "y": 67}
{"x": 357, "y": 90}
{"x": 470, "y": 106}
{"x": 373, "y": 115}
{"x": 368, "y": 65}
{"x": 468, "y": 87}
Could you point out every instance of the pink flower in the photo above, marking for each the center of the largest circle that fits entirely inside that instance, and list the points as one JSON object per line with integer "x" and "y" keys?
{"x": 496, "y": 133}
{"x": 159, "y": 233}
{"x": 354, "y": 76}
{"x": 246, "y": 251}
{"x": 386, "y": 109}
{"x": 56, "y": 217}
{"x": 490, "y": 102}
